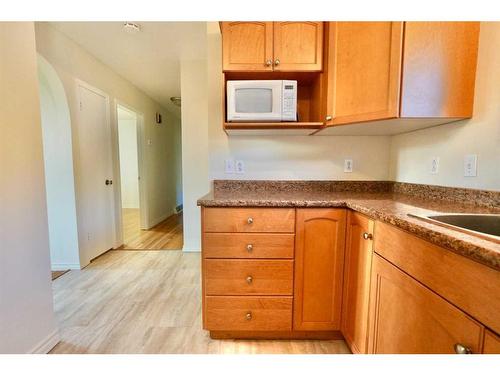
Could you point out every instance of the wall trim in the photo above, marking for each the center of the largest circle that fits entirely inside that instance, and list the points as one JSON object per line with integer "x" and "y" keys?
{"x": 190, "y": 249}
{"x": 159, "y": 219}
{"x": 46, "y": 345}
{"x": 65, "y": 266}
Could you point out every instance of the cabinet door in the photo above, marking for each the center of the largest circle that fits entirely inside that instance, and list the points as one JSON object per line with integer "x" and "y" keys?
{"x": 364, "y": 71}
{"x": 247, "y": 46}
{"x": 319, "y": 253}
{"x": 491, "y": 343}
{"x": 406, "y": 317}
{"x": 298, "y": 46}
{"x": 357, "y": 271}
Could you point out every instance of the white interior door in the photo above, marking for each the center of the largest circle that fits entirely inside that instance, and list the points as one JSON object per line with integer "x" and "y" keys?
{"x": 95, "y": 193}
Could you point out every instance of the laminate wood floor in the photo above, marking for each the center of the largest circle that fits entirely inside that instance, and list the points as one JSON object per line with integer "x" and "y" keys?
{"x": 149, "y": 302}
{"x": 167, "y": 235}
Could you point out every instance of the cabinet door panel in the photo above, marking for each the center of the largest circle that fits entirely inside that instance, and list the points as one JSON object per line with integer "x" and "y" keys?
{"x": 364, "y": 71}
{"x": 319, "y": 253}
{"x": 491, "y": 343}
{"x": 357, "y": 271}
{"x": 406, "y": 317}
{"x": 298, "y": 46}
{"x": 247, "y": 46}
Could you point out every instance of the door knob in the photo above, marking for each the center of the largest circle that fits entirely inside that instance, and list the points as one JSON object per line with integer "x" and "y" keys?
{"x": 277, "y": 62}
{"x": 367, "y": 236}
{"x": 269, "y": 62}
{"x": 250, "y": 220}
{"x": 249, "y": 247}
{"x": 249, "y": 279}
{"x": 248, "y": 315}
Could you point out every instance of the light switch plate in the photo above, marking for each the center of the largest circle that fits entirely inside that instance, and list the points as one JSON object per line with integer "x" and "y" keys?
{"x": 434, "y": 165}
{"x": 229, "y": 166}
{"x": 239, "y": 167}
{"x": 348, "y": 165}
{"x": 470, "y": 165}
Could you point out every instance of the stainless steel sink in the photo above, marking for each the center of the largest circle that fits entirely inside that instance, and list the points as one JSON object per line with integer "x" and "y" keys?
{"x": 482, "y": 225}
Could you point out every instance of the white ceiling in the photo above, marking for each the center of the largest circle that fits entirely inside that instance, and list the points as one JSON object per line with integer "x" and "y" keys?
{"x": 149, "y": 59}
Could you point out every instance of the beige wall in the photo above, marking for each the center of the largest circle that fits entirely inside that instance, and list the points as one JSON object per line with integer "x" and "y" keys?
{"x": 411, "y": 153}
{"x": 27, "y": 321}
{"x": 73, "y": 62}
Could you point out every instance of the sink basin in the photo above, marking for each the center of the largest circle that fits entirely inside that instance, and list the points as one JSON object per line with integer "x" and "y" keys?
{"x": 482, "y": 225}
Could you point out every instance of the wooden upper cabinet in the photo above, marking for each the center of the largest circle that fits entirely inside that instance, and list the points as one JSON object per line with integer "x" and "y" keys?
{"x": 298, "y": 46}
{"x": 364, "y": 70}
{"x": 439, "y": 69}
{"x": 408, "y": 318}
{"x": 319, "y": 254}
{"x": 357, "y": 271}
{"x": 247, "y": 46}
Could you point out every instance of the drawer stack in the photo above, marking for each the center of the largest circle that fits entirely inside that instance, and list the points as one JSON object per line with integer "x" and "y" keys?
{"x": 248, "y": 268}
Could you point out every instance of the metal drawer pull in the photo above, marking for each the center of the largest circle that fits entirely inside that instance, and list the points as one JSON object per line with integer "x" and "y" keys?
{"x": 249, "y": 247}
{"x": 248, "y": 315}
{"x": 462, "y": 349}
{"x": 249, "y": 279}
{"x": 367, "y": 236}
{"x": 250, "y": 220}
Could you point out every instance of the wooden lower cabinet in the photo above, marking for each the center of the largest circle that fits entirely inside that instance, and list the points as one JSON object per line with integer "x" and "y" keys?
{"x": 406, "y": 317}
{"x": 319, "y": 255}
{"x": 491, "y": 343}
{"x": 357, "y": 270}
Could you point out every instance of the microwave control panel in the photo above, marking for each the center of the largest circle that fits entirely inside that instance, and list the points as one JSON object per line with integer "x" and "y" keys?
{"x": 289, "y": 101}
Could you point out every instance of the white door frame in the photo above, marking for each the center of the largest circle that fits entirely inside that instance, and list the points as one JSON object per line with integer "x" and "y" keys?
{"x": 80, "y": 83}
{"x": 143, "y": 178}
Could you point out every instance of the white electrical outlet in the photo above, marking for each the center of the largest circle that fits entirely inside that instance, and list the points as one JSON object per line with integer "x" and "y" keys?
{"x": 434, "y": 165}
{"x": 240, "y": 167}
{"x": 229, "y": 166}
{"x": 348, "y": 165}
{"x": 470, "y": 165}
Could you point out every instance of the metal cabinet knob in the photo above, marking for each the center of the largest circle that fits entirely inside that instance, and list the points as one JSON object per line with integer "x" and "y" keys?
{"x": 249, "y": 279}
{"x": 109, "y": 182}
{"x": 462, "y": 349}
{"x": 276, "y": 62}
{"x": 250, "y": 220}
{"x": 269, "y": 62}
{"x": 367, "y": 236}
{"x": 248, "y": 315}
{"x": 249, "y": 247}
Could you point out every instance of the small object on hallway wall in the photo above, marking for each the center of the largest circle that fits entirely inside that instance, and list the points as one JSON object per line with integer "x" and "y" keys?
{"x": 348, "y": 165}
{"x": 158, "y": 118}
{"x": 239, "y": 167}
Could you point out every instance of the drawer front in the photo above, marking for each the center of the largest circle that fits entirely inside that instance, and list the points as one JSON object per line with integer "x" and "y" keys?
{"x": 248, "y": 277}
{"x": 248, "y": 313}
{"x": 473, "y": 287}
{"x": 243, "y": 245}
{"x": 278, "y": 220}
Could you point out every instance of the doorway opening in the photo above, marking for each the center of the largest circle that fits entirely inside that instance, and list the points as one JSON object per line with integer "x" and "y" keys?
{"x": 139, "y": 232}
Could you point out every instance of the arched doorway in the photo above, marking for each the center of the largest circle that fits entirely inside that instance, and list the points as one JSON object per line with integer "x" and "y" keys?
{"x": 59, "y": 177}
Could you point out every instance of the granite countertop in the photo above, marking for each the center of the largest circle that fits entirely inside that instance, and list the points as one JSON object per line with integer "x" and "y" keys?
{"x": 381, "y": 201}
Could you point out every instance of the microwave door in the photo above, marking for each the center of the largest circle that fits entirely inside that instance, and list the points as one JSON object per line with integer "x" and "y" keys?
{"x": 254, "y": 101}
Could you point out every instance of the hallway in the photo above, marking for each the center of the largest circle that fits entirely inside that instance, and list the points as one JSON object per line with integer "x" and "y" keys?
{"x": 166, "y": 235}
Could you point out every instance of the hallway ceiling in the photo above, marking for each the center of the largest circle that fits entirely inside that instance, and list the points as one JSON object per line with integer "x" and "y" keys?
{"x": 149, "y": 59}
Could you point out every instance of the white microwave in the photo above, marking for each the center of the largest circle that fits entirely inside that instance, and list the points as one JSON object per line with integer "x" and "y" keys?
{"x": 263, "y": 100}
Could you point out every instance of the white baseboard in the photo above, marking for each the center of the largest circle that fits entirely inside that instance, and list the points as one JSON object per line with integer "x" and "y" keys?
{"x": 65, "y": 266}
{"x": 158, "y": 220}
{"x": 189, "y": 249}
{"x": 44, "y": 346}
